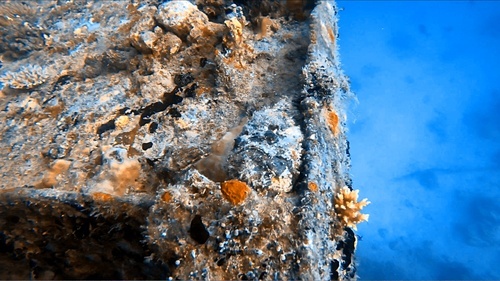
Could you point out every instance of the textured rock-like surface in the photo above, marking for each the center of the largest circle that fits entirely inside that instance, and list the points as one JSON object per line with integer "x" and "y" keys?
{"x": 124, "y": 126}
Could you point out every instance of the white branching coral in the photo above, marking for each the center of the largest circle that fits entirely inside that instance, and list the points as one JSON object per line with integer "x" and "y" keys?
{"x": 26, "y": 78}
{"x": 348, "y": 208}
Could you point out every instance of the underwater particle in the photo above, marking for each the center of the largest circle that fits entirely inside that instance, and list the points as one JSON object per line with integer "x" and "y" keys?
{"x": 198, "y": 231}
{"x": 235, "y": 191}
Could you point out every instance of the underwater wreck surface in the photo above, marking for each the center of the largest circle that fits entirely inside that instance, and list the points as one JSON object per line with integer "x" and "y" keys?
{"x": 191, "y": 140}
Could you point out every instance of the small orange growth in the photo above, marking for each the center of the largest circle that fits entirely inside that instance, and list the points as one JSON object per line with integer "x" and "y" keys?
{"x": 101, "y": 196}
{"x": 333, "y": 121}
{"x": 166, "y": 197}
{"x": 312, "y": 186}
{"x": 235, "y": 191}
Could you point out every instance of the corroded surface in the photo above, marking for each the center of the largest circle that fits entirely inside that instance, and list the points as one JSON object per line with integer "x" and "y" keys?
{"x": 121, "y": 122}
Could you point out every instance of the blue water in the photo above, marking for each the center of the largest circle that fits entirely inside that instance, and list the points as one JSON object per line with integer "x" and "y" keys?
{"x": 425, "y": 136}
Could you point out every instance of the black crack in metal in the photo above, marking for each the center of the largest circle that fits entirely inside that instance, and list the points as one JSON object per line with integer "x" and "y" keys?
{"x": 300, "y": 183}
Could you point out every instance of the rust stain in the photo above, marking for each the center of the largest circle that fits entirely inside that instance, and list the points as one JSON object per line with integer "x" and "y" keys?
{"x": 333, "y": 122}
{"x": 331, "y": 35}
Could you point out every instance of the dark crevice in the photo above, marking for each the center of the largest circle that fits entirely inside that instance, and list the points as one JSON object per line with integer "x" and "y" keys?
{"x": 152, "y": 127}
{"x": 108, "y": 126}
{"x": 147, "y": 145}
{"x": 182, "y": 80}
{"x": 150, "y": 110}
{"x": 168, "y": 100}
{"x": 101, "y": 247}
{"x": 334, "y": 266}
{"x": 348, "y": 248}
{"x": 300, "y": 184}
{"x": 146, "y": 113}
{"x": 62, "y": 80}
{"x": 197, "y": 230}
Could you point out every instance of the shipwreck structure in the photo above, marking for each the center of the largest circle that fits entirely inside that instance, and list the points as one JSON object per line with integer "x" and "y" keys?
{"x": 174, "y": 139}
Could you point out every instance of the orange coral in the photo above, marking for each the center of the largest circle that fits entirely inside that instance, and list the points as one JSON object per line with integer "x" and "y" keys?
{"x": 348, "y": 208}
{"x": 235, "y": 191}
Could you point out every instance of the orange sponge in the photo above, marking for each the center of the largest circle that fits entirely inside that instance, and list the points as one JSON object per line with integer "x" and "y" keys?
{"x": 235, "y": 191}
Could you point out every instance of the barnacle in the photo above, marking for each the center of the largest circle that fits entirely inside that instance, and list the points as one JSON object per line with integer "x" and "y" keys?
{"x": 348, "y": 208}
{"x": 235, "y": 191}
{"x": 26, "y": 78}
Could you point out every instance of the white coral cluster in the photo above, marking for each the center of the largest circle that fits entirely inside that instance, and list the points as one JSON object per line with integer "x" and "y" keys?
{"x": 348, "y": 208}
{"x": 26, "y": 78}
